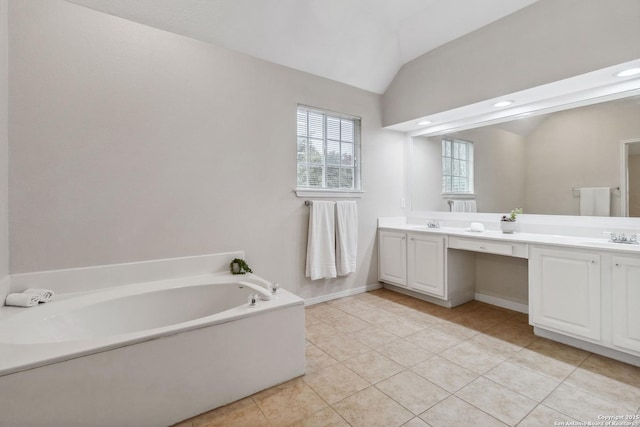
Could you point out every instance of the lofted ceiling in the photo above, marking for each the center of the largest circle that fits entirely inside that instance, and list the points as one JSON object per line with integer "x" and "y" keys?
{"x": 362, "y": 43}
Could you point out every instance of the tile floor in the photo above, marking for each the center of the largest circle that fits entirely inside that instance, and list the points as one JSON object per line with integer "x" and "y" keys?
{"x": 385, "y": 359}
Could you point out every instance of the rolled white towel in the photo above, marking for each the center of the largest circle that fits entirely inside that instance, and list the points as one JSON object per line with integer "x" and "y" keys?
{"x": 45, "y": 295}
{"x": 22, "y": 300}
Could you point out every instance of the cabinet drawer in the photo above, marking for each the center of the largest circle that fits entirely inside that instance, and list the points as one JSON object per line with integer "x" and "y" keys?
{"x": 487, "y": 246}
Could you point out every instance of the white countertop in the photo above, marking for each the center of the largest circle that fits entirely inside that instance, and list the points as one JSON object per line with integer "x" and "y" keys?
{"x": 532, "y": 238}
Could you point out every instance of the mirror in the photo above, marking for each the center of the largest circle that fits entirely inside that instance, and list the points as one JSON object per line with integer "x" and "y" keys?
{"x": 543, "y": 163}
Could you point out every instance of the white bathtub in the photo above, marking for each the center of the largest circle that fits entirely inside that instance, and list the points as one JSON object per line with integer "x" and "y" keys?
{"x": 147, "y": 354}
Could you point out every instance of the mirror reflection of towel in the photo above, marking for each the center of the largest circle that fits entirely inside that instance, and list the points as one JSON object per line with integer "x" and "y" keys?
{"x": 595, "y": 201}
{"x": 464, "y": 206}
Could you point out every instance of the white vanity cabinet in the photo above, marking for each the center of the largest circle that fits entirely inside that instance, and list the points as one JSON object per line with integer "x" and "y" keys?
{"x": 392, "y": 257}
{"x": 426, "y": 264}
{"x": 565, "y": 291}
{"x": 625, "y": 283}
{"x": 415, "y": 261}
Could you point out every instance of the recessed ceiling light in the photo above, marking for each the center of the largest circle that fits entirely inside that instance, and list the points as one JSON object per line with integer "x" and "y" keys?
{"x": 503, "y": 103}
{"x": 629, "y": 72}
{"x": 424, "y": 123}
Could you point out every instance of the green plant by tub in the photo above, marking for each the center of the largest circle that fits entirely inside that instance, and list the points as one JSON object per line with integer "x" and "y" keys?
{"x": 512, "y": 216}
{"x": 239, "y": 266}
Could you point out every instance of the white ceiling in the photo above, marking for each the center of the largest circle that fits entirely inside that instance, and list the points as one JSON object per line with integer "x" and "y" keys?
{"x": 362, "y": 43}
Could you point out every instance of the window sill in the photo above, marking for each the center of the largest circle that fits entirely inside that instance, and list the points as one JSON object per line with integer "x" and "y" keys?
{"x": 329, "y": 194}
{"x": 458, "y": 196}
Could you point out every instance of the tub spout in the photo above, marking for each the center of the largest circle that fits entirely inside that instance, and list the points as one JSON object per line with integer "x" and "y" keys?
{"x": 264, "y": 294}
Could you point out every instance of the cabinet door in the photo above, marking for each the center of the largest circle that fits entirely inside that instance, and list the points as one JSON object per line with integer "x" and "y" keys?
{"x": 392, "y": 257}
{"x": 626, "y": 302}
{"x": 425, "y": 264}
{"x": 564, "y": 291}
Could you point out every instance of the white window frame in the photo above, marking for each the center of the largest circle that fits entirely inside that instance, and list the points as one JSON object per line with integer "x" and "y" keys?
{"x": 448, "y": 191}
{"x": 304, "y": 136}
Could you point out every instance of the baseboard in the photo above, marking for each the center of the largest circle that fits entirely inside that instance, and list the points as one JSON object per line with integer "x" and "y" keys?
{"x": 515, "y": 306}
{"x": 585, "y": 345}
{"x": 342, "y": 294}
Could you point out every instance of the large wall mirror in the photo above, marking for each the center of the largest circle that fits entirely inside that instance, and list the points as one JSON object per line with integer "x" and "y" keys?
{"x": 542, "y": 163}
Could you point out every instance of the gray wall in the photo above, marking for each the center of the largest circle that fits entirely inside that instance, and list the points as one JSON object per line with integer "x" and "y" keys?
{"x": 4, "y": 146}
{"x": 577, "y": 148}
{"x": 129, "y": 143}
{"x": 545, "y": 42}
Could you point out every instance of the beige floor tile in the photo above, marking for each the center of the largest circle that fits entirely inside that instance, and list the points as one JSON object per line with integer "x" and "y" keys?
{"x": 478, "y": 325}
{"x": 424, "y": 319}
{"x": 522, "y": 380}
{"x": 324, "y": 311}
{"x": 456, "y": 412}
{"x": 433, "y": 341}
{"x": 580, "y": 405}
{"x": 471, "y": 357}
{"x": 335, "y": 382}
{"x": 318, "y": 332}
{"x": 342, "y": 347}
{"x": 316, "y": 358}
{"x": 415, "y": 422}
{"x": 186, "y": 423}
{"x": 404, "y": 352}
{"x": 457, "y": 331}
{"x": 412, "y": 391}
{"x": 347, "y": 323}
{"x": 444, "y": 373}
{"x": 513, "y": 332}
{"x": 370, "y": 408}
{"x": 571, "y": 355}
{"x": 606, "y": 388}
{"x": 553, "y": 368}
{"x": 288, "y": 402}
{"x": 494, "y": 346}
{"x": 373, "y": 366}
{"x": 242, "y": 413}
{"x": 373, "y": 336}
{"x": 613, "y": 369}
{"x": 544, "y": 416}
{"x": 402, "y": 327}
{"x": 497, "y": 401}
{"x": 310, "y": 319}
{"x": 324, "y": 418}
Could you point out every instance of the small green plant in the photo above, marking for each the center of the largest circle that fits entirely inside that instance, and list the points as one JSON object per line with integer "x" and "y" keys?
{"x": 239, "y": 266}
{"x": 512, "y": 216}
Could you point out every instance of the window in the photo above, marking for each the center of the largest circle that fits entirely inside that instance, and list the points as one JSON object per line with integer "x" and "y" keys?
{"x": 328, "y": 151}
{"x": 457, "y": 166}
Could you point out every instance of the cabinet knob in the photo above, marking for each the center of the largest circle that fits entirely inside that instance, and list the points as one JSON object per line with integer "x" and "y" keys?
{"x": 593, "y": 261}
{"x": 411, "y": 238}
{"x": 617, "y": 264}
{"x": 482, "y": 247}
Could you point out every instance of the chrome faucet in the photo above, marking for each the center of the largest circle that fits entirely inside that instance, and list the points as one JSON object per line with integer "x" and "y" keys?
{"x": 632, "y": 239}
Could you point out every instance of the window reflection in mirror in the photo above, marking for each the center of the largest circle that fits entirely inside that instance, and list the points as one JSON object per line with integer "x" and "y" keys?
{"x": 538, "y": 162}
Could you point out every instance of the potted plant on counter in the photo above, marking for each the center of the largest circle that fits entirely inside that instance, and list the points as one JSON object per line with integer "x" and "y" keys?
{"x": 508, "y": 222}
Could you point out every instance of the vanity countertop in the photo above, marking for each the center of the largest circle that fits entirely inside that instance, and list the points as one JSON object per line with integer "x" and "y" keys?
{"x": 520, "y": 237}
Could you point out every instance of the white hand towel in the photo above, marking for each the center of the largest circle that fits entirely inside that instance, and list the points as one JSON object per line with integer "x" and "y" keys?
{"x": 595, "y": 201}
{"x": 45, "y": 295}
{"x": 321, "y": 243}
{"x": 22, "y": 300}
{"x": 346, "y": 237}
